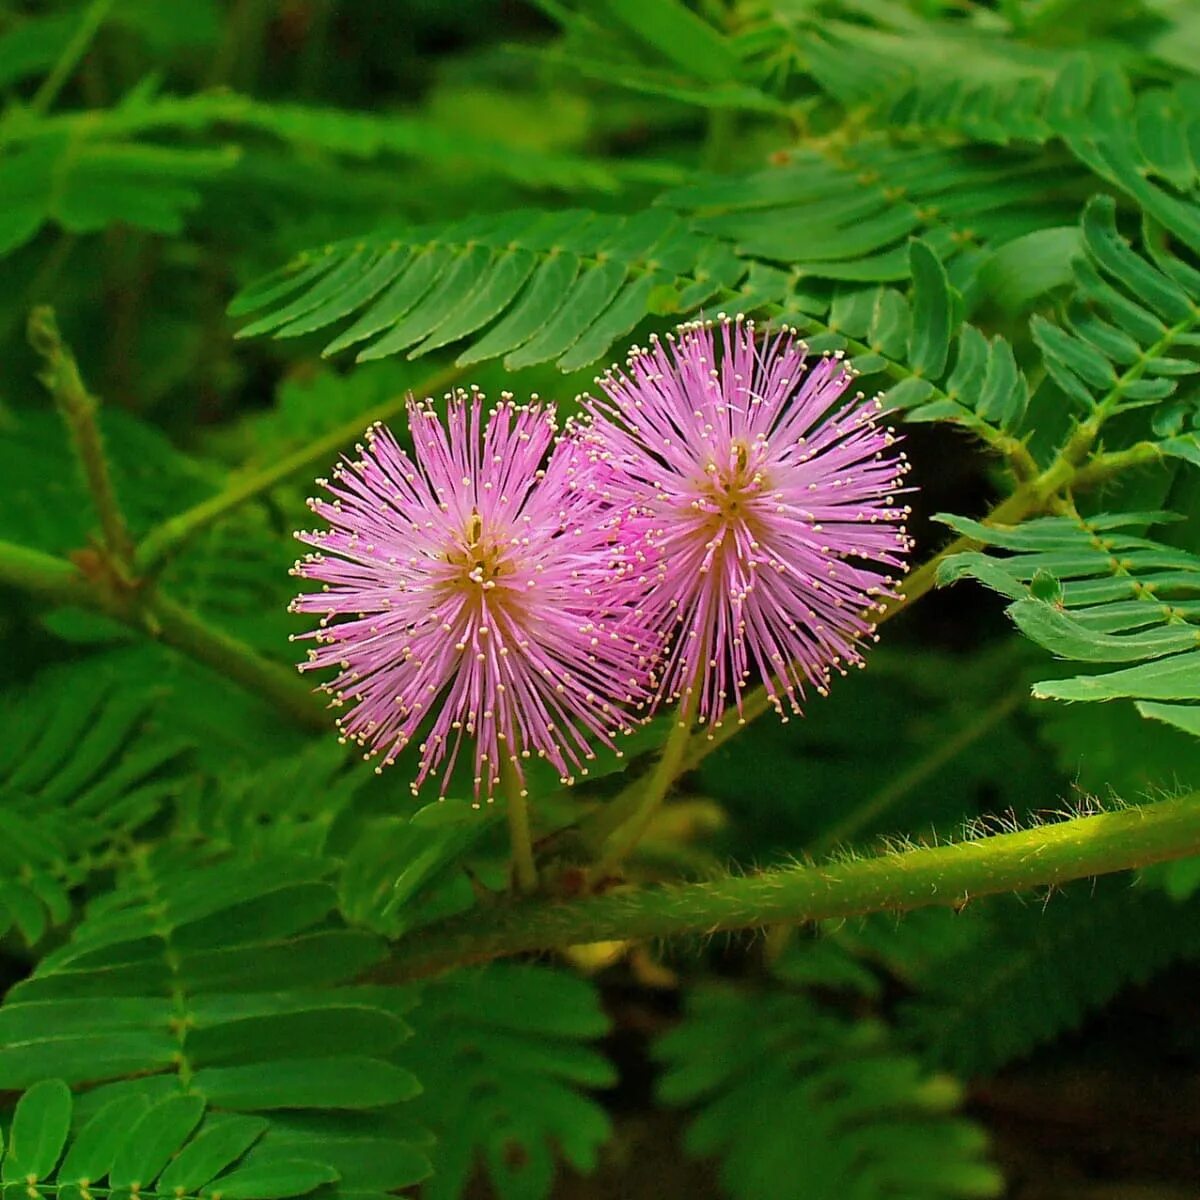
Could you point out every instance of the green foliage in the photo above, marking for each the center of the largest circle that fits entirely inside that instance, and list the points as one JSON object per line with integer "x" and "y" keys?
{"x": 1118, "y": 345}
{"x": 1092, "y": 592}
{"x": 955, "y": 742}
{"x": 87, "y": 171}
{"x": 503, "y": 1057}
{"x": 851, "y": 1113}
{"x": 987, "y": 984}
{"x": 989, "y": 209}
{"x": 531, "y": 287}
{"x": 197, "y": 981}
{"x": 77, "y": 776}
{"x": 170, "y": 1147}
{"x": 52, "y": 511}
{"x": 1014, "y": 983}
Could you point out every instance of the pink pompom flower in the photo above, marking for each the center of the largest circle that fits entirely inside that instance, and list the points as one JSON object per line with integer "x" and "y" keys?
{"x": 756, "y": 502}
{"x": 466, "y": 595}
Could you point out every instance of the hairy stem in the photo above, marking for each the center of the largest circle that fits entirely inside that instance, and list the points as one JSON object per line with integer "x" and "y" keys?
{"x": 949, "y": 875}
{"x": 160, "y": 543}
{"x": 60, "y": 376}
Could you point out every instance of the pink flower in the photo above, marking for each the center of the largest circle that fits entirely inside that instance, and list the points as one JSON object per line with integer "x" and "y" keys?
{"x": 467, "y": 595}
{"x": 757, "y": 508}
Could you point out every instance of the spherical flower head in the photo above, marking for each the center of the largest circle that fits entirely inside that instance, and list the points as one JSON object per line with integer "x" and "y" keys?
{"x": 465, "y": 596}
{"x": 757, "y": 508}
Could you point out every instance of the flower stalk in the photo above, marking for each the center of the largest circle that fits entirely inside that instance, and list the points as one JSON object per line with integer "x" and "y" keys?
{"x": 621, "y": 824}
{"x": 525, "y": 876}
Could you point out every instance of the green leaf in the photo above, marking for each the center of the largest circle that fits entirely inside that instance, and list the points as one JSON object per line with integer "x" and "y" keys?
{"x": 138, "y": 1131}
{"x": 503, "y": 1058}
{"x": 529, "y": 286}
{"x": 334, "y": 1081}
{"x": 932, "y": 312}
{"x": 1182, "y": 716}
{"x": 1176, "y": 678}
{"x": 1044, "y": 974}
{"x": 1113, "y": 254}
{"x": 679, "y": 35}
{"x": 1076, "y": 356}
{"x": 91, "y": 1154}
{"x": 1121, "y": 598}
{"x": 154, "y": 1140}
{"x": 39, "y": 1132}
{"x": 1025, "y": 269}
{"x": 871, "y": 1121}
{"x": 224, "y": 974}
{"x": 272, "y": 1181}
{"x": 222, "y": 1140}
{"x": 1052, "y": 628}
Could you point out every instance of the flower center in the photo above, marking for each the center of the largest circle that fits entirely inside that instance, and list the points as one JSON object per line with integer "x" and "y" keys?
{"x": 732, "y": 485}
{"x": 480, "y": 557}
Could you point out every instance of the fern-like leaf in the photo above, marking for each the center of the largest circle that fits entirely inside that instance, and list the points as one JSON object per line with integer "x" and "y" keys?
{"x": 503, "y": 1056}
{"x": 1124, "y": 339}
{"x": 168, "y": 1148}
{"x": 1092, "y": 592}
{"x": 84, "y": 187}
{"x": 1032, "y": 973}
{"x": 77, "y": 774}
{"x": 528, "y": 287}
{"x": 226, "y": 983}
{"x": 948, "y": 370}
{"x": 849, "y": 216}
{"x": 85, "y": 171}
{"x": 851, "y": 1115}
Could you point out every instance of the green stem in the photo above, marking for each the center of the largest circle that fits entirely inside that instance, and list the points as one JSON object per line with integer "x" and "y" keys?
{"x": 62, "y": 582}
{"x": 182, "y": 629}
{"x": 60, "y": 376}
{"x": 950, "y": 875}
{"x": 719, "y": 139}
{"x": 45, "y": 575}
{"x": 160, "y": 543}
{"x": 620, "y": 825}
{"x": 68, "y": 60}
{"x": 525, "y": 874}
{"x": 1102, "y": 467}
{"x": 920, "y": 772}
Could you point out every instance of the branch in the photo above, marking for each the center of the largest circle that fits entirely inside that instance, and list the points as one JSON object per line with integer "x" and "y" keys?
{"x": 78, "y": 407}
{"x": 183, "y": 630}
{"x": 161, "y": 542}
{"x": 947, "y": 876}
{"x": 45, "y": 575}
{"x": 1102, "y": 467}
{"x": 65, "y": 583}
